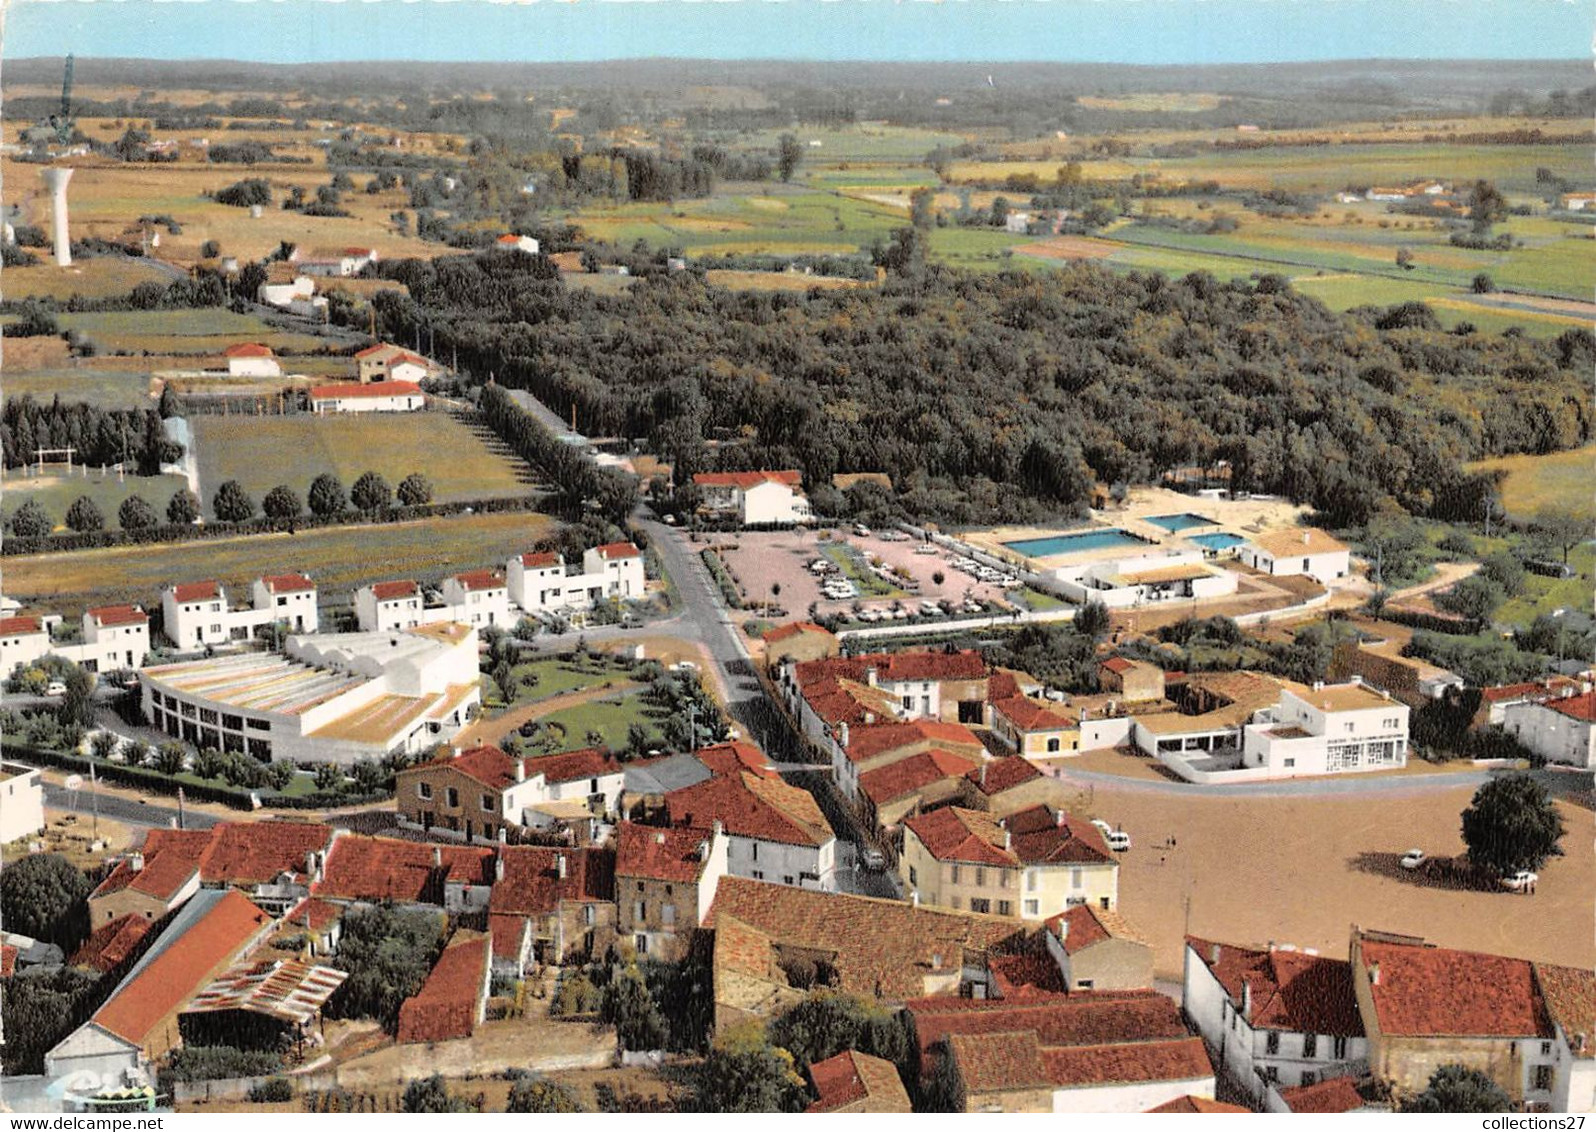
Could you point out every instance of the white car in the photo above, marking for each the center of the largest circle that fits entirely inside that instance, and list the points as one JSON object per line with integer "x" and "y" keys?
{"x": 1102, "y": 826}
{"x": 1118, "y": 840}
{"x": 1522, "y": 881}
{"x": 1413, "y": 858}
{"x": 55, "y": 688}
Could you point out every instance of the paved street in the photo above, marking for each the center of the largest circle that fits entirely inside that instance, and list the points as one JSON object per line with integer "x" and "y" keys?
{"x": 125, "y": 810}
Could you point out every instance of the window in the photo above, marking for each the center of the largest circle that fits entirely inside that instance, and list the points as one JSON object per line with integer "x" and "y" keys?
{"x": 955, "y": 874}
{"x": 1030, "y": 880}
{"x": 257, "y": 724}
{"x": 1338, "y": 1048}
{"x": 639, "y": 911}
{"x": 1104, "y": 901}
{"x": 1351, "y": 727}
{"x": 1077, "y": 878}
{"x": 233, "y": 722}
{"x": 1085, "y": 984}
{"x": 1291, "y": 762}
{"x": 1032, "y": 908}
{"x": 1543, "y": 1079}
{"x": 980, "y": 904}
{"x": 1546, "y": 1049}
{"x": 914, "y": 877}
{"x": 1005, "y": 908}
{"x": 789, "y": 880}
{"x": 1310, "y": 1045}
{"x": 980, "y": 878}
{"x": 640, "y": 941}
{"x": 1052, "y": 746}
{"x": 487, "y": 803}
{"x": 667, "y": 890}
{"x": 667, "y": 915}
{"x": 759, "y": 874}
{"x": 908, "y": 703}
{"x": 1271, "y": 1074}
{"x": 1309, "y": 1078}
{"x": 1272, "y": 1042}
{"x": 452, "y": 796}
{"x": 590, "y": 915}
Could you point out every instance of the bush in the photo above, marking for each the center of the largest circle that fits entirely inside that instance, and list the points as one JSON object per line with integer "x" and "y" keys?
{"x": 371, "y": 492}
{"x": 31, "y": 520}
{"x": 215, "y": 1063}
{"x": 243, "y": 194}
{"x": 273, "y": 1091}
{"x": 577, "y": 995}
{"x": 327, "y": 495}
{"x": 232, "y": 503}
{"x": 84, "y": 515}
{"x": 415, "y": 489}
{"x": 136, "y": 514}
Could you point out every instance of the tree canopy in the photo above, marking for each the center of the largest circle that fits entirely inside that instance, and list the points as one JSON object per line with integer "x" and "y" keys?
{"x": 47, "y": 897}
{"x": 1512, "y": 824}
{"x": 1457, "y": 1088}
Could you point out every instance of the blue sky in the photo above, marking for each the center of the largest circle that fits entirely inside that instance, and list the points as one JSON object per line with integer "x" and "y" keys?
{"x": 1114, "y": 31}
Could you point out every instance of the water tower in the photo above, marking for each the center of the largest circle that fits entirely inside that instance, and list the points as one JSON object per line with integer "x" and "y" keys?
{"x": 55, "y": 179}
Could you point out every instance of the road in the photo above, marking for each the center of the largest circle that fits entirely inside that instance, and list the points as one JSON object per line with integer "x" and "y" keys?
{"x": 124, "y": 810}
{"x": 1557, "y": 783}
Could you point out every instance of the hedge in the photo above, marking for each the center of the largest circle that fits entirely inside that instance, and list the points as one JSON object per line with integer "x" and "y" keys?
{"x": 723, "y": 579}
{"x": 189, "y": 532}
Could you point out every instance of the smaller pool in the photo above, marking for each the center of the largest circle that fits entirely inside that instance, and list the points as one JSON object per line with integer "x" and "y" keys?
{"x": 1074, "y": 543}
{"x": 1219, "y": 540}
{"x": 1181, "y": 522}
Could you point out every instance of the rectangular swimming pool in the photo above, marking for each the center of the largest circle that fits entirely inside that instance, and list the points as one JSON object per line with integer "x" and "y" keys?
{"x": 1219, "y": 540}
{"x": 1181, "y": 522}
{"x": 1073, "y": 543}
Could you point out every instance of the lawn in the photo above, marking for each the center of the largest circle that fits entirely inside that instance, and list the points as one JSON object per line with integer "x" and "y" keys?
{"x": 340, "y": 559}
{"x": 556, "y": 676}
{"x": 56, "y": 493}
{"x": 1544, "y": 595}
{"x": 609, "y": 717}
{"x": 869, "y": 585}
{"x": 262, "y": 452}
{"x": 1559, "y": 481}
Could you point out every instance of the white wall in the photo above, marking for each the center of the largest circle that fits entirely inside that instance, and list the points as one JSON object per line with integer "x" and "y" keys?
{"x": 1554, "y": 736}
{"x": 193, "y": 624}
{"x": 775, "y": 861}
{"x": 254, "y": 367}
{"x": 1137, "y": 1097}
{"x": 21, "y": 802}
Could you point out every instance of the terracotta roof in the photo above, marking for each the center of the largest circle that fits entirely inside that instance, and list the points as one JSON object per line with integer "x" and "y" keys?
{"x": 162, "y": 984}
{"x": 1117, "y": 664}
{"x": 379, "y": 868}
{"x": 1337, "y": 1094}
{"x": 312, "y": 914}
{"x": 118, "y": 615}
{"x": 659, "y": 854}
{"x": 796, "y": 629}
{"x": 1582, "y": 708}
{"x": 532, "y": 884}
{"x": 196, "y": 591}
{"x": 1084, "y": 1018}
{"x": 1034, "y": 836}
{"x": 746, "y": 480}
{"x": 733, "y": 758}
{"x": 1297, "y": 540}
{"x": 848, "y": 701}
{"x": 1180, "y": 1059}
{"x": 540, "y": 560}
{"x": 287, "y": 583}
{"x": 345, "y": 390}
{"x": 952, "y": 834}
{"x": 1084, "y": 925}
{"x": 20, "y": 626}
{"x": 1029, "y": 975}
{"x": 1191, "y": 1104}
{"x": 851, "y": 1077}
{"x": 1035, "y": 715}
{"x": 882, "y": 948}
{"x": 1436, "y": 991}
{"x": 109, "y": 945}
{"x": 381, "y": 349}
{"x": 998, "y": 1062}
{"x": 1570, "y": 995}
{"x": 8, "y": 960}
{"x": 388, "y": 591}
{"x": 916, "y": 772}
{"x": 617, "y": 550}
{"x": 1546, "y": 688}
{"x": 171, "y": 859}
{"x": 481, "y": 580}
{"x": 895, "y": 667}
{"x": 248, "y": 350}
{"x": 248, "y": 853}
{"x": 752, "y": 805}
{"x": 569, "y": 766}
{"x": 1291, "y": 990}
{"x": 509, "y": 238}
{"x": 997, "y": 775}
{"x": 868, "y": 741}
{"x": 445, "y": 1006}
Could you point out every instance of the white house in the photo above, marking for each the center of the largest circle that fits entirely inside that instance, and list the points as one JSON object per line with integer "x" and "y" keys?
{"x": 23, "y": 640}
{"x": 541, "y": 582}
{"x": 1328, "y": 729}
{"x": 196, "y": 614}
{"x": 335, "y": 261}
{"x": 376, "y": 397}
{"x": 754, "y": 498}
{"x": 387, "y": 362}
{"x": 621, "y": 566}
{"x": 479, "y": 597}
{"x": 292, "y": 291}
{"x": 1278, "y": 1016}
{"x": 193, "y": 614}
{"x": 515, "y": 243}
{"x": 1180, "y": 575}
{"x": 1301, "y": 550}
{"x": 775, "y": 832}
{"x": 114, "y": 636}
{"x": 380, "y": 606}
{"x": 251, "y": 359}
{"x": 1559, "y": 730}
{"x": 290, "y": 598}
{"x": 21, "y": 802}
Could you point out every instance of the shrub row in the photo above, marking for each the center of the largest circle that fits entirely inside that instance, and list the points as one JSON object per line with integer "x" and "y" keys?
{"x": 723, "y": 579}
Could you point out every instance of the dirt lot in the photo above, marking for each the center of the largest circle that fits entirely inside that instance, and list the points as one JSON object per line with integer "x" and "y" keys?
{"x": 1303, "y": 869}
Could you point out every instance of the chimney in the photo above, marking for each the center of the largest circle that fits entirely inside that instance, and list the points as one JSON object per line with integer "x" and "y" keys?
{"x": 520, "y": 769}
{"x": 1059, "y": 819}
{"x": 1063, "y": 929}
{"x": 498, "y": 866}
{"x": 437, "y": 857}
{"x": 870, "y": 676}
{"x": 1246, "y": 999}
{"x": 1374, "y": 974}
{"x": 659, "y": 837}
{"x": 56, "y": 181}
{"x": 717, "y": 827}
{"x": 703, "y": 850}
{"x": 1213, "y": 955}
{"x": 559, "y": 865}
{"x": 310, "y": 863}
{"x": 914, "y": 899}
{"x": 504, "y": 836}
{"x": 136, "y": 862}
{"x": 983, "y": 775}
{"x": 1008, "y": 842}
{"x": 842, "y": 735}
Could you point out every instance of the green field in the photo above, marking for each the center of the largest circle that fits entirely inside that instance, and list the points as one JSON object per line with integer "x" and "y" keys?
{"x": 195, "y": 331}
{"x": 262, "y": 452}
{"x": 610, "y": 717}
{"x": 56, "y": 493}
{"x": 110, "y": 389}
{"x": 340, "y": 559}
{"x": 1545, "y": 595}
{"x": 1561, "y": 481}
{"x": 96, "y": 277}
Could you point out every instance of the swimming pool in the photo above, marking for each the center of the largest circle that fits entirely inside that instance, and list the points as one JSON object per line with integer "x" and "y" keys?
{"x": 1181, "y": 522}
{"x": 1073, "y": 543}
{"x": 1219, "y": 540}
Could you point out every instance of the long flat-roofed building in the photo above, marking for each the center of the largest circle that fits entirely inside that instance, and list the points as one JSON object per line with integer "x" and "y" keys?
{"x": 334, "y": 697}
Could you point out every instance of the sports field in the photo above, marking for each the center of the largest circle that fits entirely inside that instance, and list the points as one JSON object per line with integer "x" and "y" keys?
{"x": 262, "y": 452}
{"x": 57, "y": 492}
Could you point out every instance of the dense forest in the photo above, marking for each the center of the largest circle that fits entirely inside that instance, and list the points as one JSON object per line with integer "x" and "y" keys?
{"x": 1006, "y": 396}
{"x": 100, "y": 437}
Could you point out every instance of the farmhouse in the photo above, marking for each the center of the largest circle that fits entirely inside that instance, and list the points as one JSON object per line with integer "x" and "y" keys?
{"x": 1561, "y": 730}
{"x": 386, "y": 362}
{"x": 375, "y": 397}
{"x": 21, "y": 802}
{"x": 291, "y": 290}
{"x": 1134, "y": 681}
{"x": 251, "y": 359}
{"x": 384, "y": 606}
{"x": 1381, "y": 664}
{"x": 513, "y": 243}
{"x": 151, "y": 884}
{"x": 376, "y": 870}
{"x": 1004, "y": 786}
{"x": 477, "y": 794}
{"x": 1577, "y": 202}
{"x": 1033, "y": 864}
{"x": 1302, "y": 550}
{"x": 754, "y": 498}
{"x": 1496, "y": 700}
{"x": 339, "y": 697}
{"x": 550, "y": 905}
{"x": 334, "y": 261}
{"x": 665, "y": 883}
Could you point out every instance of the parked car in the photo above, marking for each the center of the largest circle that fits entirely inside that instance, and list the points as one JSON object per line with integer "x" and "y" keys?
{"x": 1413, "y": 858}
{"x": 1102, "y": 826}
{"x": 1521, "y": 881}
{"x": 1118, "y": 840}
{"x": 55, "y": 688}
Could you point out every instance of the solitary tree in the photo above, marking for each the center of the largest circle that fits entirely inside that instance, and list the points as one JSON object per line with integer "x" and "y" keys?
{"x": 1560, "y": 530}
{"x": 282, "y": 502}
{"x": 183, "y": 507}
{"x": 1457, "y": 1088}
{"x": 136, "y": 514}
{"x": 789, "y": 153}
{"x": 415, "y": 489}
{"x": 1487, "y": 205}
{"x": 371, "y": 492}
{"x": 1511, "y": 824}
{"x": 232, "y": 503}
{"x": 84, "y": 515}
{"x": 77, "y": 705}
{"x": 31, "y": 521}
{"x": 45, "y": 896}
{"x": 327, "y": 495}
{"x": 1483, "y": 284}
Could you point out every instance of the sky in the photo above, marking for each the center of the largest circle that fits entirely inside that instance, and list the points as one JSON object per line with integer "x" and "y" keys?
{"x": 1108, "y": 31}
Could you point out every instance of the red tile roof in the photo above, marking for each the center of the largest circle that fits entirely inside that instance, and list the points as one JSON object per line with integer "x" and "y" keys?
{"x": 1182, "y": 1059}
{"x": 952, "y": 834}
{"x": 1582, "y": 708}
{"x": 181, "y": 968}
{"x": 997, "y": 775}
{"x": 378, "y": 868}
{"x": 1570, "y": 995}
{"x": 916, "y": 772}
{"x": 248, "y": 350}
{"x": 446, "y": 1005}
{"x": 1291, "y": 990}
{"x": 570, "y": 766}
{"x": 287, "y": 583}
{"x": 1534, "y": 689}
{"x": 851, "y": 1077}
{"x": 1031, "y": 715}
{"x": 795, "y": 629}
{"x": 746, "y": 480}
{"x": 119, "y": 615}
{"x": 874, "y": 739}
{"x": 1118, "y": 664}
{"x": 1036, "y": 836}
{"x": 1083, "y": 925}
{"x": 1338, "y": 1094}
{"x": 171, "y": 858}
{"x": 389, "y": 591}
{"x": 110, "y": 944}
{"x": 196, "y": 591}
{"x": 481, "y": 580}
{"x": 1436, "y": 991}
{"x": 754, "y": 806}
{"x": 659, "y": 854}
{"x": 313, "y": 914}
{"x": 541, "y": 560}
{"x": 249, "y": 853}
{"x": 1025, "y": 976}
{"x": 8, "y": 960}
{"x": 19, "y": 626}
{"x": 617, "y": 550}
{"x": 895, "y": 667}
{"x": 345, "y": 390}
{"x": 733, "y": 758}
{"x": 1191, "y": 1104}
{"x": 532, "y": 884}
